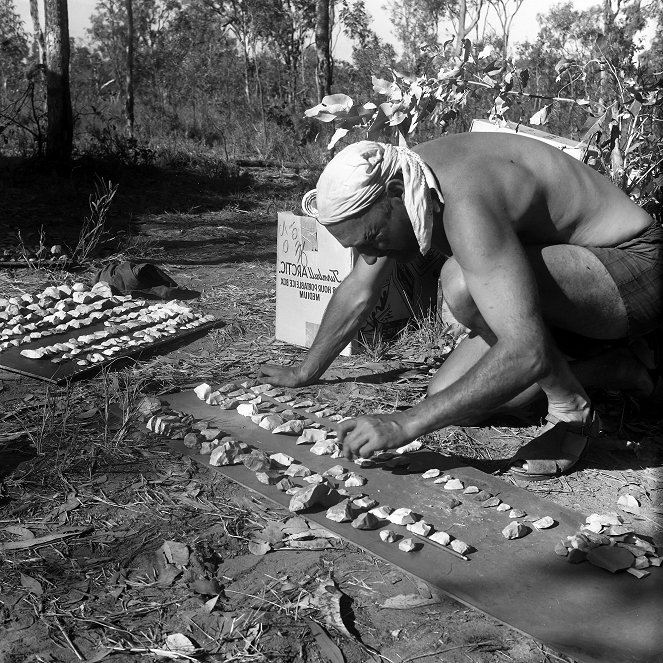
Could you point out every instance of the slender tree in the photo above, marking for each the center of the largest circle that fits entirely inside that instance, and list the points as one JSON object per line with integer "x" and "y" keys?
{"x": 59, "y": 133}
{"x": 322, "y": 39}
{"x": 38, "y": 36}
{"x": 129, "y": 101}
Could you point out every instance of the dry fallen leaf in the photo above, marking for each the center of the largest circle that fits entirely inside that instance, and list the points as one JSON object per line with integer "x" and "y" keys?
{"x": 328, "y": 648}
{"x": 178, "y": 642}
{"x": 23, "y": 533}
{"x": 259, "y": 547}
{"x": 32, "y": 585}
{"x": 406, "y": 601}
{"x": 327, "y": 599}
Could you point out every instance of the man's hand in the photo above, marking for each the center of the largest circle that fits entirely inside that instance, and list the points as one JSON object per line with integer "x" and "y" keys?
{"x": 283, "y": 376}
{"x": 364, "y": 436}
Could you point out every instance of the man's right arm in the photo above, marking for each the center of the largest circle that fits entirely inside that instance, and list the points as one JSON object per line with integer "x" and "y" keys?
{"x": 348, "y": 307}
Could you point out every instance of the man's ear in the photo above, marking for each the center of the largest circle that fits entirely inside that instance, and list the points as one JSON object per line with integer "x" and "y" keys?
{"x": 395, "y": 187}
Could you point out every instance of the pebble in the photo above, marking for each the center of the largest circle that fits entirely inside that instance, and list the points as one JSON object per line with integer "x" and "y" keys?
{"x": 515, "y": 530}
{"x": 407, "y": 545}
{"x": 388, "y": 536}
{"x": 440, "y": 537}
{"x": 544, "y": 523}
{"x": 355, "y": 480}
{"x": 421, "y": 528}
{"x": 453, "y": 484}
{"x": 460, "y": 546}
{"x": 402, "y": 516}
{"x": 365, "y": 521}
{"x": 430, "y": 474}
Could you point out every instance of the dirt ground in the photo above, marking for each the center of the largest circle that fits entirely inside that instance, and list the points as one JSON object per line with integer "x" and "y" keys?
{"x": 77, "y": 465}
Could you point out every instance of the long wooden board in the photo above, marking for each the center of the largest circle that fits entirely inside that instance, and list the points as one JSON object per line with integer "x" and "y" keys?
{"x": 577, "y": 609}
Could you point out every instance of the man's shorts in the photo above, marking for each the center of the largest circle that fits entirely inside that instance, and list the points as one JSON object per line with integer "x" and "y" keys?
{"x": 636, "y": 267}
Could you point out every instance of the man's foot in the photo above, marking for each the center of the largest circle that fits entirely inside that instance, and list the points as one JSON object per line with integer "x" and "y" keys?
{"x": 558, "y": 448}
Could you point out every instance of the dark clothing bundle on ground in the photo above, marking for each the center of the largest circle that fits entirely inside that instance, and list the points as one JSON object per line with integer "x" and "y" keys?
{"x": 142, "y": 280}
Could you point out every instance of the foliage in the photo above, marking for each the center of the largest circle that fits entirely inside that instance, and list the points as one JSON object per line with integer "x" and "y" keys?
{"x": 595, "y": 81}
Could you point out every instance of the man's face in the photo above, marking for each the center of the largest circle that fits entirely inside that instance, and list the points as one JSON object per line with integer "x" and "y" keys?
{"x": 384, "y": 230}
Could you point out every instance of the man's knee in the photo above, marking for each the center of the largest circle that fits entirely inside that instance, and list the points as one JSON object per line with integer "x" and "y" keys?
{"x": 456, "y": 294}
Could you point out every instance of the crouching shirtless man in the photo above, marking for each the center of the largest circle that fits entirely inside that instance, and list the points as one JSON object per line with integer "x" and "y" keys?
{"x": 538, "y": 242}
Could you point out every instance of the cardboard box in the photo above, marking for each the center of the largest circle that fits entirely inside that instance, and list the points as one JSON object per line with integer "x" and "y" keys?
{"x": 311, "y": 264}
{"x": 574, "y": 148}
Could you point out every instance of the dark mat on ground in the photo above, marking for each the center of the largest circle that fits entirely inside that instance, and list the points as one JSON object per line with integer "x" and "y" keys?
{"x": 577, "y": 609}
{"x": 43, "y": 369}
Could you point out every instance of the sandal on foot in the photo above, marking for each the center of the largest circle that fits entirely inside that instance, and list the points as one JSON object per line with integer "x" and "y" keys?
{"x": 556, "y": 450}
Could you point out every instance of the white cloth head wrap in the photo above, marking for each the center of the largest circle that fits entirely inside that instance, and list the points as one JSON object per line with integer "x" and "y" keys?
{"x": 358, "y": 175}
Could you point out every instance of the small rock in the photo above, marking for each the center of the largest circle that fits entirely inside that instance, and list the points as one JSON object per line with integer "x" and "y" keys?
{"x": 311, "y": 436}
{"x": 504, "y": 507}
{"x": 355, "y": 480}
{"x": 641, "y": 562}
{"x": 271, "y": 421}
{"x": 269, "y": 477}
{"x": 618, "y": 530}
{"x": 324, "y": 448}
{"x": 561, "y": 549}
{"x": 257, "y": 461}
{"x": 402, "y": 516}
{"x": 470, "y": 490}
{"x": 491, "y": 502}
{"x": 610, "y": 558}
{"x": 638, "y": 573}
{"x": 309, "y": 496}
{"x": 366, "y": 503}
{"x": 440, "y": 537}
{"x": 290, "y": 427}
{"x": 364, "y": 462}
{"x": 544, "y": 523}
{"x": 247, "y": 409}
{"x": 203, "y": 391}
{"x": 460, "y": 546}
{"x": 192, "y": 441}
{"x": 210, "y": 433}
{"x": 388, "y": 536}
{"x": 656, "y": 561}
{"x": 594, "y": 526}
{"x": 430, "y": 474}
{"x": 453, "y": 484}
{"x": 383, "y": 512}
{"x": 482, "y": 496}
{"x": 315, "y": 478}
{"x": 579, "y": 541}
{"x": 407, "y": 545}
{"x": 285, "y": 484}
{"x": 343, "y": 512}
{"x": 517, "y": 513}
{"x": 443, "y": 479}
{"x": 206, "y": 448}
{"x": 575, "y": 556}
{"x": 297, "y": 470}
{"x": 335, "y": 471}
{"x": 421, "y": 528}
{"x": 515, "y": 530}
{"x": 229, "y": 453}
{"x": 365, "y": 521}
{"x": 282, "y": 459}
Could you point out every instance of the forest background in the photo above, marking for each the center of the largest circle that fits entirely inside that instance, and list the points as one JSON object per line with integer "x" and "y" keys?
{"x": 232, "y": 79}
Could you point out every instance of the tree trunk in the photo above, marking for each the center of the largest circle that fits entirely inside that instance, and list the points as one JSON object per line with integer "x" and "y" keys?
{"x": 38, "y": 36}
{"x": 324, "y": 68}
{"x": 462, "y": 13}
{"x": 129, "y": 101}
{"x": 608, "y": 24}
{"x": 59, "y": 134}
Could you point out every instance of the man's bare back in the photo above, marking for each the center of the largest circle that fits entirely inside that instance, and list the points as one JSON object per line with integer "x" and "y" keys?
{"x": 548, "y": 196}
